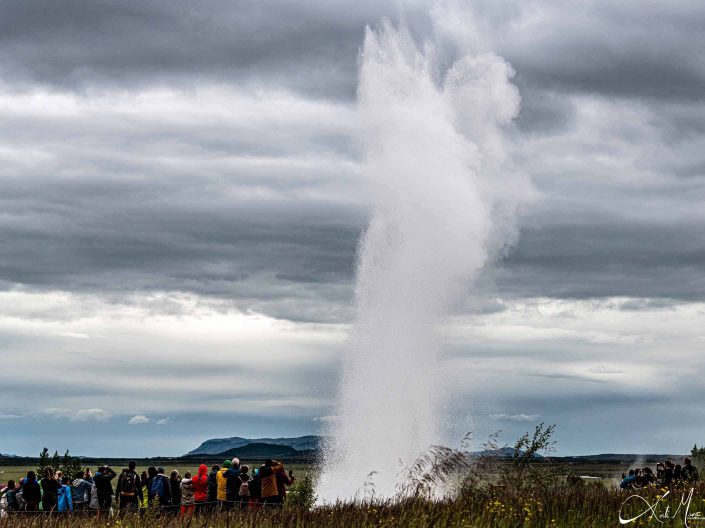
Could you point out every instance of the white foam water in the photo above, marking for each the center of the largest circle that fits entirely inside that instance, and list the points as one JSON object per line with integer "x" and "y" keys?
{"x": 434, "y": 160}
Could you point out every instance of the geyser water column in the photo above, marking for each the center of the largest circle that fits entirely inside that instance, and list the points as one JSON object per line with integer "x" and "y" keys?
{"x": 433, "y": 145}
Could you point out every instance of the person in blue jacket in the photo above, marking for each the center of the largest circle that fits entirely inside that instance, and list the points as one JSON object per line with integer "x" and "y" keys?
{"x": 81, "y": 490}
{"x": 64, "y": 502}
{"x": 629, "y": 481}
{"x": 11, "y": 496}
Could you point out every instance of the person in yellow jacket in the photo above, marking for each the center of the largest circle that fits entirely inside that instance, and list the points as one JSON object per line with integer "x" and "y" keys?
{"x": 222, "y": 481}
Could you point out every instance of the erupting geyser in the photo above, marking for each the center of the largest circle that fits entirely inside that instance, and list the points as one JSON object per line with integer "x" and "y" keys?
{"x": 442, "y": 200}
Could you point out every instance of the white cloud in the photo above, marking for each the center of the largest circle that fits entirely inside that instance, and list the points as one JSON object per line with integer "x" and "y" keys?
{"x": 91, "y": 415}
{"x": 604, "y": 369}
{"x": 164, "y": 421}
{"x": 138, "y": 419}
{"x": 73, "y": 335}
{"x": 329, "y": 418}
{"x": 516, "y": 417}
{"x": 80, "y": 415}
{"x": 133, "y": 332}
{"x": 54, "y": 412}
{"x": 9, "y": 416}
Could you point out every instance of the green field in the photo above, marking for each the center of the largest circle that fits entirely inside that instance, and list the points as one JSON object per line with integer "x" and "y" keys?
{"x": 17, "y": 472}
{"x": 604, "y": 472}
{"x": 557, "y": 504}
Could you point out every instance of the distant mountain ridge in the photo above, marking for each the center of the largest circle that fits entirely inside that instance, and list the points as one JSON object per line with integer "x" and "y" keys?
{"x": 508, "y": 452}
{"x": 258, "y": 450}
{"x": 616, "y": 458}
{"x": 627, "y": 457}
{"x": 216, "y": 446}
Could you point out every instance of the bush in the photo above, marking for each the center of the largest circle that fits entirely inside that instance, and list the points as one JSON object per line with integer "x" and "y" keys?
{"x": 303, "y": 497}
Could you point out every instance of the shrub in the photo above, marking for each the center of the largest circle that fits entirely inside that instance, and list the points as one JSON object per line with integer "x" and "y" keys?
{"x": 303, "y": 496}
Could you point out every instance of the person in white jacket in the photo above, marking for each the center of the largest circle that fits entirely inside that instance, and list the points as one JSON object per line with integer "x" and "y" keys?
{"x": 188, "y": 503}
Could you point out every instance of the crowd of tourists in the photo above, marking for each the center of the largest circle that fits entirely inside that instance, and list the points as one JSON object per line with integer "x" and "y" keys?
{"x": 225, "y": 487}
{"x": 667, "y": 475}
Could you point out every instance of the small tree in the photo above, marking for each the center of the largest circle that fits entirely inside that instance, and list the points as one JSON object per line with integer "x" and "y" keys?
{"x": 67, "y": 464}
{"x": 44, "y": 461}
{"x": 524, "y": 474}
{"x": 527, "y": 448}
{"x": 698, "y": 456}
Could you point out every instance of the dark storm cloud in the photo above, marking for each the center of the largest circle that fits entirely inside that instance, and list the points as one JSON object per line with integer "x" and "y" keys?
{"x": 543, "y": 111}
{"x": 126, "y": 221}
{"x": 611, "y": 398}
{"x": 236, "y": 200}
{"x": 603, "y": 259}
{"x": 627, "y": 49}
{"x": 80, "y": 44}
{"x": 117, "y": 246}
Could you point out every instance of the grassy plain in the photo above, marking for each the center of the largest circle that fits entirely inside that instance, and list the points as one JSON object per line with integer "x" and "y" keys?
{"x": 20, "y": 471}
{"x": 564, "y": 505}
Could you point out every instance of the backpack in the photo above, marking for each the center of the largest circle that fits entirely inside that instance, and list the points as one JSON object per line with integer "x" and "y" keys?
{"x": 232, "y": 485}
{"x": 20, "y": 500}
{"x": 255, "y": 485}
{"x": 244, "y": 489}
{"x": 128, "y": 486}
{"x": 94, "y": 504}
{"x": 157, "y": 487}
{"x": 212, "y": 486}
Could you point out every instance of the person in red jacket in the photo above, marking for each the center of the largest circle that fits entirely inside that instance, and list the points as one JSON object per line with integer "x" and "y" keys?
{"x": 200, "y": 487}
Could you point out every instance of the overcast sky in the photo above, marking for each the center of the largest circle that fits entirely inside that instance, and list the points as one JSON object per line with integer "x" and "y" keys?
{"x": 180, "y": 202}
